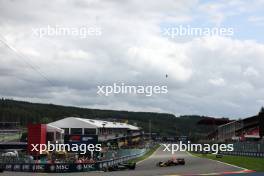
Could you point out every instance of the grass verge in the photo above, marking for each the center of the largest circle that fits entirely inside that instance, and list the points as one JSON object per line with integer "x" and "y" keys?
{"x": 251, "y": 163}
{"x": 146, "y": 155}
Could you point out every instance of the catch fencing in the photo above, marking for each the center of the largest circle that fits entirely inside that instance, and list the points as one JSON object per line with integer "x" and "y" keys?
{"x": 250, "y": 149}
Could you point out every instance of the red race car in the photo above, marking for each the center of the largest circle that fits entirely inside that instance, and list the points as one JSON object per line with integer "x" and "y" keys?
{"x": 171, "y": 162}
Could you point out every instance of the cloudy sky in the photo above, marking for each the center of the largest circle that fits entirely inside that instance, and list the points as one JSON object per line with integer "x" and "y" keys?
{"x": 207, "y": 75}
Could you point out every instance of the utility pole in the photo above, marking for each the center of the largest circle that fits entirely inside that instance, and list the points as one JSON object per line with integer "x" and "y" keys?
{"x": 149, "y": 129}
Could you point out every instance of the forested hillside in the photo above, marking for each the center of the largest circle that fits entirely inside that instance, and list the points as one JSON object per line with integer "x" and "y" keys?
{"x": 165, "y": 124}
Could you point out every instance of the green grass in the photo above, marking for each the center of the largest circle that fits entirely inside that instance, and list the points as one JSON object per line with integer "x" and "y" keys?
{"x": 148, "y": 154}
{"x": 251, "y": 163}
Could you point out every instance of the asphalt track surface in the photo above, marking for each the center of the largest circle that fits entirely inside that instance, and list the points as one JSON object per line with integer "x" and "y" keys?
{"x": 193, "y": 166}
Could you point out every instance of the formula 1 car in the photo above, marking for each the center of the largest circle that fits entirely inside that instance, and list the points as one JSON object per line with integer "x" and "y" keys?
{"x": 120, "y": 166}
{"x": 171, "y": 162}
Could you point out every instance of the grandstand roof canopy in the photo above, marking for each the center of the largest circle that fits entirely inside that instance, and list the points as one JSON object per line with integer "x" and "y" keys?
{"x": 75, "y": 122}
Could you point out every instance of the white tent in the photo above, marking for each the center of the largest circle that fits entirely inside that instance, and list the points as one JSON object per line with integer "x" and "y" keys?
{"x": 51, "y": 128}
{"x": 74, "y": 122}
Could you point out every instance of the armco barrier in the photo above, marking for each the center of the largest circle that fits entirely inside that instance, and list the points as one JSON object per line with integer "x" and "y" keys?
{"x": 257, "y": 147}
{"x": 241, "y": 153}
{"x": 250, "y": 149}
{"x": 111, "y": 162}
{"x": 66, "y": 167}
{"x": 123, "y": 152}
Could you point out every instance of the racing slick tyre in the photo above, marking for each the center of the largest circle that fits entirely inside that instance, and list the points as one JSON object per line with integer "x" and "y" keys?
{"x": 159, "y": 164}
{"x": 105, "y": 169}
{"x": 132, "y": 166}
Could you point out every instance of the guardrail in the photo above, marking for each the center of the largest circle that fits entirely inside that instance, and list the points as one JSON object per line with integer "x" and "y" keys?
{"x": 111, "y": 162}
{"x": 250, "y": 149}
{"x": 242, "y": 153}
{"x": 67, "y": 167}
{"x": 237, "y": 153}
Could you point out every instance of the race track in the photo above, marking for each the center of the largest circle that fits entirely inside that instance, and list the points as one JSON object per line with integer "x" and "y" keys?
{"x": 193, "y": 166}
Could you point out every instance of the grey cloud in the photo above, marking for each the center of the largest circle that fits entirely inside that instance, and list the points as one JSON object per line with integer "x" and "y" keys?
{"x": 130, "y": 50}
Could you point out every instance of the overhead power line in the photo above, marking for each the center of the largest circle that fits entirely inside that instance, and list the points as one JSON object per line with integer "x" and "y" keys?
{"x": 25, "y": 59}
